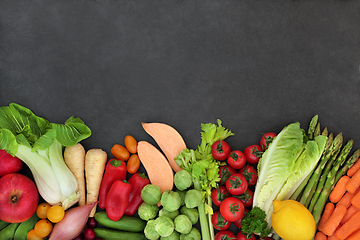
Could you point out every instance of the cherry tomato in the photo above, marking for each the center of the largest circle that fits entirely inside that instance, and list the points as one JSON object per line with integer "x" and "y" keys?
{"x": 266, "y": 139}
{"x": 225, "y": 172}
{"x": 238, "y": 222}
{"x": 89, "y": 234}
{"x": 220, "y": 150}
{"x": 32, "y": 236}
{"x": 133, "y": 164}
{"x": 91, "y": 223}
{"x": 247, "y": 197}
{"x": 236, "y": 184}
{"x": 42, "y": 209}
{"x": 232, "y": 209}
{"x": 130, "y": 144}
{"x": 236, "y": 159}
{"x": 43, "y": 228}
{"x": 55, "y": 213}
{"x": 224, "y": 235}
{"x": 219, "y": 222}
{"x": 253, "y": 153}
{"x": 250, "y": 174}
{"x": 120, "y": 152}
{"x": 243, "y": 236}
{"x": 219, "y": 194}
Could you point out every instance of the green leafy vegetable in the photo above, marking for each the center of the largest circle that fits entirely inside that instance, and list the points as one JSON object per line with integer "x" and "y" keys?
{"x": 254, "y": 222}
{"x": 39, "y": 144}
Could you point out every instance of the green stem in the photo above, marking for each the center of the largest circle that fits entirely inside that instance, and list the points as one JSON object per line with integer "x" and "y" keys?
{"x": 312, "y": 127}
{"x": 204, "y": 224}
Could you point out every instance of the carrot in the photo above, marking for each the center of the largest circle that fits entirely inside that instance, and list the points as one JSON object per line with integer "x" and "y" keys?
{"x": 328, "y": 210}
{"x": 353, "y": 169}
{"x": 356, "y": 200}
{"x": 334, "y": 220}
{"x": 156, "y": 165}
{"x": 339, "y": 189}
{"x": 95, "y": 160}
{"x": 354, "y": 236}
{"x": 333, "y": 237}
{"x": 354, "y": 183}
{"x": 320, "y": 236}
{"x": 349, "y": 227}
{"x": 168, "y": 139}
{"x": 346, "y": 199}
{"x": 350, "y": 211}
{"x": 74, "y": 157}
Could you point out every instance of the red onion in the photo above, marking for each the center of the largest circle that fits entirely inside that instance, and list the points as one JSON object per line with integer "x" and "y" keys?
{"x": 73, "y": 223}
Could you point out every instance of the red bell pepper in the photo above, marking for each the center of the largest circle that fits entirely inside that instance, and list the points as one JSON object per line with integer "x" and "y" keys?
{"x": 117, "y": 199}
{"x": 138, "y": 182}
{"x": 115, "y": 169}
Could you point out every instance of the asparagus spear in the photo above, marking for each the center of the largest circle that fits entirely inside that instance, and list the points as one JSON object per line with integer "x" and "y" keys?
{"x": 313, "y": 181}
{"x": 325, "y": 132}
{"x": 317, "y": 130}
{"x": 347, "y": 165}
{"x": 312, "y": 127}
{"x": 331, "y": 181}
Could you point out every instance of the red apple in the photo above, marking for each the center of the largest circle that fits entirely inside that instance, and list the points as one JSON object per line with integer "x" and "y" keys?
{"x": 19, "y": 198}
{"x": 9, "y": 164}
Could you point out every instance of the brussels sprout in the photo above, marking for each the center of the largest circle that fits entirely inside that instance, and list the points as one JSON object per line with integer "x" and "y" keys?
{"x": 170, "y": 200}
{"x": 194, "y": 234}
{"x": 164, "y": 226}
{"x": 183, "y": 224}
{"x": 192, "y": 213}
{"x": 149, "y": 230}
{"x": 147, "y": 211}
{"x": 182, "y": 196}
{"x": 172, "y": 215}
{"x": 174, "y": 236}
{"x": 193, "y": 198}
{"x": 182, "y": 180}
{"x": 151, "y": 194}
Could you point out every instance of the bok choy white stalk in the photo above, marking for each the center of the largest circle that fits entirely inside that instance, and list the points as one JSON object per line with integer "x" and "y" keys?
{"x": 39, "y": 144}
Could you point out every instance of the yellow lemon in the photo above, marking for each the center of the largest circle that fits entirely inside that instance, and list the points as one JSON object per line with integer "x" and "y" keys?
{"x": 292, "y": 221}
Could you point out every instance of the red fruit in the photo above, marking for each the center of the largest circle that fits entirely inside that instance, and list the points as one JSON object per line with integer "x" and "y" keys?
{"x": 19, "y": 198}
{"x": 9, "y": 164}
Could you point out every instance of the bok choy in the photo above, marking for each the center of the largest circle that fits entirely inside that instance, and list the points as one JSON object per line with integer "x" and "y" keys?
{"x": 284, "y": 165}
{"x": 39, "y": 144}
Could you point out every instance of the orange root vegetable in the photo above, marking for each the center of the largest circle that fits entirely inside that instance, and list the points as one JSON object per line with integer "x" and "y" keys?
{"x": 354, "y": 183}
{"x": 339, "y": 189}
{"x": 355, "y": 201}
{"x": 95, "y": 161}
{"x": 334, "y": 220}
{"x": 156, "y": 165}
{"x": 354, "y": 236}
{"x": 74, "y": 157}
{"x": 350, "y": 211}
{"x": 168, "y": 139}
{"x": 328, "y": 210}
{"x": 320, "y": 236}
{"x": 349, "y": 227}
{"x": 353, "y": 169}
{"x": 333, "y": 237}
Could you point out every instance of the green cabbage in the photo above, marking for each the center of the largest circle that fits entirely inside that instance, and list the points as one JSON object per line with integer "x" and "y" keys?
{"x": 284, "y": 165}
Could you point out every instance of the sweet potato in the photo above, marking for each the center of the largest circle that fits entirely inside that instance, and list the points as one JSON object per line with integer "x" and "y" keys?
{"x": 168, "y": 139}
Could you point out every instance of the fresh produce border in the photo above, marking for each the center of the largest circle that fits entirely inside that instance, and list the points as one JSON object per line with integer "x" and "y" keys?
{"x": 212, "y": 192}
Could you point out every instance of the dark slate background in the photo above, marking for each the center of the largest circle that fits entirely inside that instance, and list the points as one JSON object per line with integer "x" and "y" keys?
{"x": 256, "y": 65}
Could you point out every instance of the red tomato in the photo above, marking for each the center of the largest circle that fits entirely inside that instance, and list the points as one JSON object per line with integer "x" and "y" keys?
{"x": 236, "y": 184}
{"x": 224, "y": 235}
{"x": 238, "y": 222}
{"x": 219, "y": 222}
{"x": 220, "y": 150}
{"x": 232, "y": 209}
{"x": 236, "y": 159}
{"x": 242, "y": 236}
{"x": 247, "y": 197}
{"x": 253, "y": 153}
{"x": 225, "y": 172}
{"x": 266, "y": 139}
{"x": 250, "y": 174}
{"x": 219, "y": 194}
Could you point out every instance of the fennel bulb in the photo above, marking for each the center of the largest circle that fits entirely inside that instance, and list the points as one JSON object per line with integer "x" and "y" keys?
{"x": 39, "y": 144}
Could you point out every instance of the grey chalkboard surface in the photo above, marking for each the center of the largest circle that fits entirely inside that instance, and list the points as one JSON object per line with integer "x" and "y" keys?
{"x": 256, "y": 65}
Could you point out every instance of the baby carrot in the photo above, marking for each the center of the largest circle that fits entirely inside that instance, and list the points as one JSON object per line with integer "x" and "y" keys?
{"x": 356, "y": 200}
{"x": 333, "y": 237}
{"x": 339, "y": 189}
{"x": 354, "y": 183}
{"x": 346, "y": 199}
{"x": 320, "y": 236}
{"x": 350, "y": 211}
{"x": 354, "y": 236}
{"x": 353, "y": 169}
{"x": 334, "y": 220}
{"x": 328, "y": 210}
{"x": 349, "y": 227}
